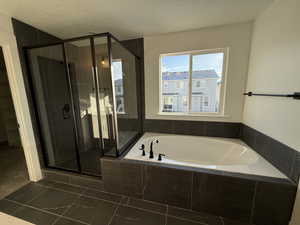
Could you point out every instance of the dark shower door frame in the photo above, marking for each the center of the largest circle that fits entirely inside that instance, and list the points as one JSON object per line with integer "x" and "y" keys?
{"x": 71, "y": 91}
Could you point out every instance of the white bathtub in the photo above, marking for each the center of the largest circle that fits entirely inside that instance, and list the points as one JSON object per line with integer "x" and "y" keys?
{"x": 224, "y": 154}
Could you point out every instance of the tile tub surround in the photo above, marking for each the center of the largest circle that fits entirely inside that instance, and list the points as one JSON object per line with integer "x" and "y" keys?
{"x": 197, "y": 128}
{"x": 223, "y": 154}
{"x": 284, "y": 158}
{"x": 247, "y": 199}
{"x": 55, "y": 203}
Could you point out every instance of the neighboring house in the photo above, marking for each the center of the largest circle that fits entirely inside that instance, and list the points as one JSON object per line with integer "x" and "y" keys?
{"x": 175, "y": 91}
{"x": 119, "y": 89}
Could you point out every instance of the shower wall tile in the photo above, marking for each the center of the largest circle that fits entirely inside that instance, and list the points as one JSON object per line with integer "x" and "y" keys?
{"x": 283, "y": 157}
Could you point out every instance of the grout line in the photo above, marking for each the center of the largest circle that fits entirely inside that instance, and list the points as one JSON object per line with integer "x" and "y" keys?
{"x": 166, "y": 219}
{"x": 253, "y": 202}
{"x": 115, "y": 212}
{"x": 166, "y": 215}
{"x": 55, "y": 221}
{"x": 188, "y": 220}
{"x": 74, "y": 185}
{"x": 192, "y": 188}
{"x": 128, "y": 201}
{"x": 82, "y": 194}
{"x": 147, "y": 210}
{"x": 44, "y": 211}
{"x": 118, "y": 205}
{"x": 222, "y": 220}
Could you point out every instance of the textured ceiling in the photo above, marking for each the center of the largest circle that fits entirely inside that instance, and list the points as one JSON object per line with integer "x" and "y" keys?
{"x": 129, "y": 18}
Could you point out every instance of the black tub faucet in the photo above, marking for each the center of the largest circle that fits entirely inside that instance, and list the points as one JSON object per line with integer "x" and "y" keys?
{"x": 160, "y": 157}
{"x": 142, "y": 148}
{"x": 151, "y": 156}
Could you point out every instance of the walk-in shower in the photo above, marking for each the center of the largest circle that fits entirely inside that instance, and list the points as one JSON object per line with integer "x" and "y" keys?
{"x": 86, "y": 95}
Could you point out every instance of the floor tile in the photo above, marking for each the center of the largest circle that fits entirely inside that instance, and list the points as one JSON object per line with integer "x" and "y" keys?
{"x": 92, "y": 211}
{"x": 8, "y": 207}
{"x": 102, "y": 195}
{"x": 177, "y": 221}
{"x": 194, "y": 216}
{"x": 124, "y": 200}
{"x": 86, "y": 182}
{"x": 56, "y": 176}
{"x": 35, "y": 216}
{"x": 62, "y": 186}
{"x": 148, "y": 205}
{"x": 132, "y": 216}
{"x": 233, "y": 222}
{"x": 54, "y": 201}
{"x": 27, "y": 193}
{"x": 65, "y": 221}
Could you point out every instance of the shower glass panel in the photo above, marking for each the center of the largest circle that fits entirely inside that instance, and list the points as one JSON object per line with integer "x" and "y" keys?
{"x": 87, "y": 98}
{"x": 124, "y": 76}
{"x": 79, "y": 56}
{"x": 105, "y": 95}
{"x": 54, "y": 106}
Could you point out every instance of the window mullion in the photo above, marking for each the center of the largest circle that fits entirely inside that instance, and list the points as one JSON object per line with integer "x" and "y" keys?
{"x": 190, "y": 83}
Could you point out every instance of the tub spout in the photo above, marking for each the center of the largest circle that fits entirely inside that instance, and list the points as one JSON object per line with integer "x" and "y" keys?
{"x": 151, "y": 156}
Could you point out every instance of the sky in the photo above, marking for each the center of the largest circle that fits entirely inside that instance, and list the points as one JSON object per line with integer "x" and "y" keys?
{"x": 180, "y": 63}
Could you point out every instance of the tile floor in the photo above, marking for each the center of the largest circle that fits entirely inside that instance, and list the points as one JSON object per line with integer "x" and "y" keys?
{"x": 13, "y": 169}
{"x": 51, "y": 203}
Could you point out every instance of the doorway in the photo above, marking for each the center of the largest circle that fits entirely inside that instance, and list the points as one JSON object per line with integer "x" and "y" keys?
{"x": 13, "y": 167}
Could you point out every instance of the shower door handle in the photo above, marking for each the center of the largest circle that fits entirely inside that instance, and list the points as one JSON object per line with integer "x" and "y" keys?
{"x": 66, "y": 111}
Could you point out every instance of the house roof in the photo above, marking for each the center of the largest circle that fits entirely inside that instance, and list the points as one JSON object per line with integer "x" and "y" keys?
{"x": 184, "y": 75}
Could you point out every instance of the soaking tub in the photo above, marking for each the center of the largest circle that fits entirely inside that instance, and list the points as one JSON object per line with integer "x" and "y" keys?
{"x": 224, "y": 154}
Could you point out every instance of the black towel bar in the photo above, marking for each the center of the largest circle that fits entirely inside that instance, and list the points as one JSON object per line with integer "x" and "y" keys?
{"x": 296, "y": 95}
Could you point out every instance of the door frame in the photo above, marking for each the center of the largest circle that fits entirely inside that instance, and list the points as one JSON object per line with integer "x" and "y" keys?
{"x": 16, "y": 82}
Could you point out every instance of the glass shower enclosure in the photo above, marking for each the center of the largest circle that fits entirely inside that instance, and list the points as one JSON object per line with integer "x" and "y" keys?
{"x": 86, "y": 95}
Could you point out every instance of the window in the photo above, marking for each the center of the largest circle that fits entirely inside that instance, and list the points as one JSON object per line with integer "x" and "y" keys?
{"x": 117, "y": 70}
{"x": 191, "y": 82}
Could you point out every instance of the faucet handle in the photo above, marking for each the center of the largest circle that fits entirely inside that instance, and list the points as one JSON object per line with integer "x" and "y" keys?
{"x": 142, "y": 148}
{"x": 160, "y": 156}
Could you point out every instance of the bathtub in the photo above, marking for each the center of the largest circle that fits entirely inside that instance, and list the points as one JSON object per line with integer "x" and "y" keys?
{"x": 224, "y": 154}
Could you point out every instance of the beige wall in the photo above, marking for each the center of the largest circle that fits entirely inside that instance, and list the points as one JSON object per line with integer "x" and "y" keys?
{"x": 274, "y": 68}
{"x": 236, "y": 37}
{"x": 9, "y": 47}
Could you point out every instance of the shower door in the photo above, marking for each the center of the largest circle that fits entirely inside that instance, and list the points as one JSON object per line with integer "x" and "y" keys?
{"x": 88, "y": 74}
{"x": 54, "y": 107}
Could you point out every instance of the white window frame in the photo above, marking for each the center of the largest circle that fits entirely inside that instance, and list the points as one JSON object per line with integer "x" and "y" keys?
{"x": 223, "y": 82}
